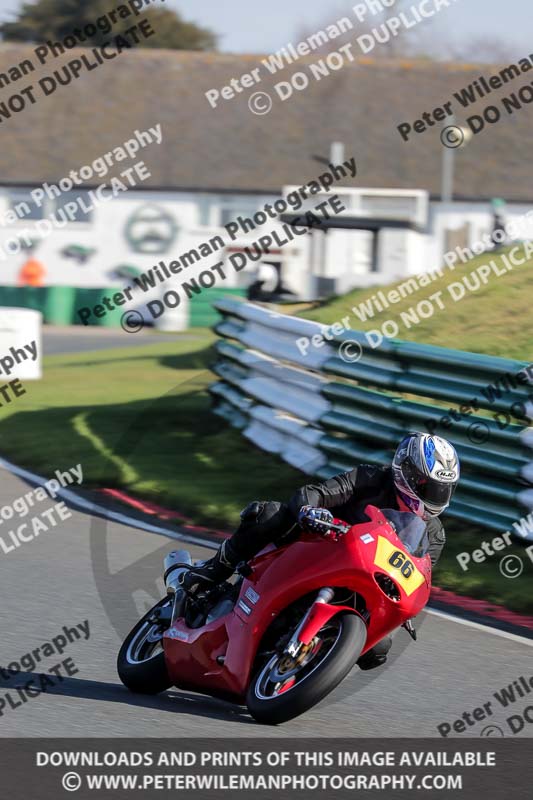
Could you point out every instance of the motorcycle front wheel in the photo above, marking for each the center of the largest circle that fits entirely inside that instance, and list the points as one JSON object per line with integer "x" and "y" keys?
{"x": 285, "y": 687}
{"x": 141, "y": 662}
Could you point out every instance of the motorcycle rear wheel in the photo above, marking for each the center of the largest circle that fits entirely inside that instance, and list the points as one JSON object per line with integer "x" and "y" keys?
{"x": 141, "y": 662}
{"x": 279, "y": 692}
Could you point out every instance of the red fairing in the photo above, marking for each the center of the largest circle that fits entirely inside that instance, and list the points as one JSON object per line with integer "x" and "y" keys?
{"x": 282, "y": 576}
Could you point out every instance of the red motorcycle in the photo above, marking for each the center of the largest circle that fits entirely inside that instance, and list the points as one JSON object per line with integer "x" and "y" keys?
{"x": 293, "y": 622}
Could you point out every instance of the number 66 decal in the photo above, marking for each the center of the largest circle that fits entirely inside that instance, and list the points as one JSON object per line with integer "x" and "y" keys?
{"x": 398, "y": 565}
{"x": 399, "y": 561}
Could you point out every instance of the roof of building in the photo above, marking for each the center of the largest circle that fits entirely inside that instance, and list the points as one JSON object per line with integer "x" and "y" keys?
{"x": 230, "y": 148}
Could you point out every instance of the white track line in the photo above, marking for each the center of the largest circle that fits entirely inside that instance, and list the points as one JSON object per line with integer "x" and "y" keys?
{"x": 114, "y": 516}
{"x": 478, "y": 626}
{"x": 124, "y": 519}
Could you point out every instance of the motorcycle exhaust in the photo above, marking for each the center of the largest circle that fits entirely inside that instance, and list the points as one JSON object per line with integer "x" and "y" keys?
{"x": 175, "y": 564}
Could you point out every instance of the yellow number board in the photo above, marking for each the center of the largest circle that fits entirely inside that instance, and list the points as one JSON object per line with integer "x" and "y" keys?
{"x": 398, "y": 565}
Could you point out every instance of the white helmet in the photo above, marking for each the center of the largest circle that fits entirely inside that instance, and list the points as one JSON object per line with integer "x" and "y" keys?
{"x": 426, "y": 471}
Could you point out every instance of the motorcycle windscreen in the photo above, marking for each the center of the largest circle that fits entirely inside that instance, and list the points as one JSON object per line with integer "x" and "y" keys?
{"x": 411, "y": 529}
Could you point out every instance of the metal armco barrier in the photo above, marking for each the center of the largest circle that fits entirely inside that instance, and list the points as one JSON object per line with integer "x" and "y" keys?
{"x": 322, "y": 413}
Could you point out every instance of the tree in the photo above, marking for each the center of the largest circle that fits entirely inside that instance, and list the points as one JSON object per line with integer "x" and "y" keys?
{"x": 404, "y": 45}
{"x": 482, "y": 49}
{"x": 427, "y": 41}
{"x": 55, "y": 19}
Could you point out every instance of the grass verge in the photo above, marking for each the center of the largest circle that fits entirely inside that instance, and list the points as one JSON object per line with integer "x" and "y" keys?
{"x": 481, "y": 322}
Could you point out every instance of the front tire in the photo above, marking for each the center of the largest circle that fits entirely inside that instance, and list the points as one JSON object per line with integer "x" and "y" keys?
{"x": 279, "y": 692}
{"x": 141, "y": 662}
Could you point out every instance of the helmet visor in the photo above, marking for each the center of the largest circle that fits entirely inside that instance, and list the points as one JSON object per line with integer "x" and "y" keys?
{"x": 435, "y": 494}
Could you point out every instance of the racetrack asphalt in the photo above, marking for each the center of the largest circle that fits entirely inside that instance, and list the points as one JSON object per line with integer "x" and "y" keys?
{"x": 107, "y": 573}
{"x": 81, "y": 339}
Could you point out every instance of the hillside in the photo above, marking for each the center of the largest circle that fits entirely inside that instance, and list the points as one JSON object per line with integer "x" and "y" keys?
{"x": 496, "y": 319}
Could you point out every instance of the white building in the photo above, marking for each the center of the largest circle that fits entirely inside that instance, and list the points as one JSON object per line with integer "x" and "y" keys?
{"x": 214, "y": 165}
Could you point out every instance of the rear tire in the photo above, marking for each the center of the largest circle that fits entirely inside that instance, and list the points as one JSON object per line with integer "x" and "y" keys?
{"x": 141, "y": 662}
{"x": 322, "y": 678}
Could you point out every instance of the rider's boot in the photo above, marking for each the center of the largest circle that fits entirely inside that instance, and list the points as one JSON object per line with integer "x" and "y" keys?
{"x": 376, "y": 656}
{"x": 213, "y": 572}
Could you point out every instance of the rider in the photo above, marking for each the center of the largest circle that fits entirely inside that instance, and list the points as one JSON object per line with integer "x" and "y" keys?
{"x": 422, "y": 479}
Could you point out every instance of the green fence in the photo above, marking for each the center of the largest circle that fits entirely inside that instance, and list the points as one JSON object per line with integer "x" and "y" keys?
{"x": 59, "y": 304}
{"x": 324, "y": 413}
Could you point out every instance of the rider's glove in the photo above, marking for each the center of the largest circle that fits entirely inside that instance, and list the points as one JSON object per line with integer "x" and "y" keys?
{"x": 315, "y": 519}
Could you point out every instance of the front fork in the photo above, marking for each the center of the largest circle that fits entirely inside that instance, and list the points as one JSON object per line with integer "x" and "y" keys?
{"x": 318, "y": 615}
{"x": 301, "y": 633}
